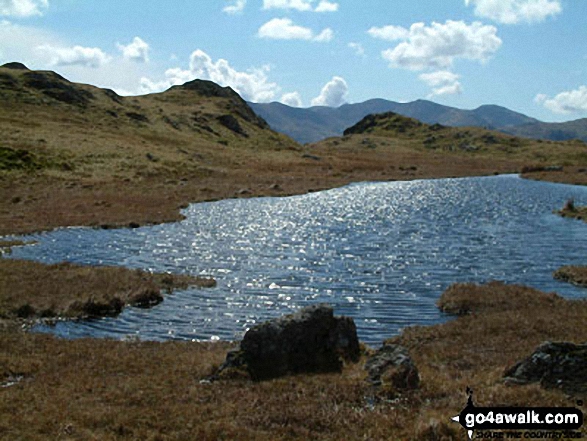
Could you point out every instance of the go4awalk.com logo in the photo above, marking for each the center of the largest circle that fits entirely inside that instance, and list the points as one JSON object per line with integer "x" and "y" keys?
{"x": 520, "y": 422}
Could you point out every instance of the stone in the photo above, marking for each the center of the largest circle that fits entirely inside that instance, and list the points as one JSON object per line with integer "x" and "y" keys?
{"x": 560, "y": 365}
{"x": 312, "y": 340}
{"x": 392, "y": 368}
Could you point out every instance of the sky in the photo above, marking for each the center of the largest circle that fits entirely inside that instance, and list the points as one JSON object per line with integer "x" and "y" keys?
{"x": 527, "y": 55}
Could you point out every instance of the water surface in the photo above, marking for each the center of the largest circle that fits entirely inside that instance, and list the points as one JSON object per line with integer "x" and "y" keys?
{"x": 381, "y": 253}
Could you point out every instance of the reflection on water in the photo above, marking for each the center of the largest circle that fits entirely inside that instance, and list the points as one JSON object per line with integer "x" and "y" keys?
{"x": 379, "y": 252}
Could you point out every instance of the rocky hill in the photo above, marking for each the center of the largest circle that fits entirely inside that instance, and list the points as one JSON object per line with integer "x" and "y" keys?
{"x": 88, "y": 130}
{"x": 316, "y": 123}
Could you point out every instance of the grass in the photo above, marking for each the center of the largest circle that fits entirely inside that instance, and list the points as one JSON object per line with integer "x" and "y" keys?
{"x": 576, "y": 275}
{"x": 572, "y": 211}
{"x": 32, "y": 290}
{"x": 110, "y": 390}
{"x": 148, "y": 156}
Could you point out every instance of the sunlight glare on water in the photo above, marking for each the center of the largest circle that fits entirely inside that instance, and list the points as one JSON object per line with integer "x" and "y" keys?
{"x": 381, "y": 253}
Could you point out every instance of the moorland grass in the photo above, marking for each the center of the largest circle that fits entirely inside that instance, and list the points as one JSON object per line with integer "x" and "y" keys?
{"x": 113, "y": 390}
{"x": 31, "y": 290}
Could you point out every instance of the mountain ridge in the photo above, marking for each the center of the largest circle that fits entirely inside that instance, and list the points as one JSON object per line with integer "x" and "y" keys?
{"x": 310, "y": 125}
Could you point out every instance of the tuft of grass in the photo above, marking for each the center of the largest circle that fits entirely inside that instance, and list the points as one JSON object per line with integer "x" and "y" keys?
{"x": 33, "y": 290}
{"x": 577, "y": 275}
{"x": 573, "y": 211}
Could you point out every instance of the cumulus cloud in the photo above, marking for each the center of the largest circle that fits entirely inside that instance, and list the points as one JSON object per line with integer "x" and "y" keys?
{"x": 326, "y": 6}
{"x": 333, "y": 94}
{"x": 443, "y": 82}
{"x": 358, "y": 48}
{"x": 439, "y": 45}
{"x": 325, "y": 36}
{"x": 138, "y": 50}
{"x": 75, "y": 56}
{"x": 389, "y": 33}
{"x": 23, "y": 8}
{"x": 301, "y": 5}
{"x": 516, "y": 11}
{"x": 236, "y": 7}
{"x": 292, "y": 99}
{"x": 252, "y": 85}
{"x": 285, "y": 29}
{"x": 573, "y": 101}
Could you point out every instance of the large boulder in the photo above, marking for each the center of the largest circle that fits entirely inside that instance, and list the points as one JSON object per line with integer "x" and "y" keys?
{"x": 554, "y": 365}
{"x": 392, "y": 369}
{"x": 311, "y": 340}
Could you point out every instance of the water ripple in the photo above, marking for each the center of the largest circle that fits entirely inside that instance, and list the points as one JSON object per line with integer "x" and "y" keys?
{"x": 379, "y": 252}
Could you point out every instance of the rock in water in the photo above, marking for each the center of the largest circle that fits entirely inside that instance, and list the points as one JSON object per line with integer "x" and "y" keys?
{"x": 554, "y": 365}
{"x": 311, "y": 340}
{"x": 392, "y": 368}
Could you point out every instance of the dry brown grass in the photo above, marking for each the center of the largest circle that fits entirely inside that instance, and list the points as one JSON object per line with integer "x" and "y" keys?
{"x": 63, "y": 165}
{"x": 107, "y": 390}
{"x": 576, "y": 275}
{"x": 574, "y": 212}
{"x": 32, "y": 290}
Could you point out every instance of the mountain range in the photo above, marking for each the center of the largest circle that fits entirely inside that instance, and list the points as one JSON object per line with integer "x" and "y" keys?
{"x": 309, "y": 125}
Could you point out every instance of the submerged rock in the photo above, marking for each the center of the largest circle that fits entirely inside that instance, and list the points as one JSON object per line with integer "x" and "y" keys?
{"x": 392, "y": 368}
{"x": 559, "y": 365}
{"x": 311, "y": 340}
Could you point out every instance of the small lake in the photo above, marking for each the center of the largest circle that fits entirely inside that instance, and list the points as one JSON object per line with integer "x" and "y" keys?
{"x": 381, "y": 253}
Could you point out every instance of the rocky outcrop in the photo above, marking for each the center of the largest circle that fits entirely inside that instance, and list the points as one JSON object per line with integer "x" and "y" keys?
{"x": 554, "y": 365}
{"x": 311, "y": 340}
{"x": 15, "y": 66}
{"x": 232, "y": 124}
{"x": 58, "y": 88}
{"x": 392, "y": 369}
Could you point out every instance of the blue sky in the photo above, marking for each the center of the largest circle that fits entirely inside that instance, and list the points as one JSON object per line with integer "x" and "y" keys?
{"x": 527, "y": 55}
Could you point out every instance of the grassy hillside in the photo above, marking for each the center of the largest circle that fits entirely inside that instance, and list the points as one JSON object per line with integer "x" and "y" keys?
{"x": 94, "y": 133}
{"x": 390, "y": 133}
{"x": 74, "y": 154}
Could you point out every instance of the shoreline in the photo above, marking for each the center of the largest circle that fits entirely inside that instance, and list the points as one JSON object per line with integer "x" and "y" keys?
{"x": 113, "y": 305}
{"x": 173, "y": 214}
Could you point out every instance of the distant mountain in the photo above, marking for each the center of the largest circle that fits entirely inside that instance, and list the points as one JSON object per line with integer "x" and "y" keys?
{"x": 554, "y": 131}
{"x": 316, "y": 123}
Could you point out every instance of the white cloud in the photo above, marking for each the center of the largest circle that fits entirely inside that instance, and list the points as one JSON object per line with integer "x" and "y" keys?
{"x": 138, "y": 50}
{"x": 389, "y": 33}
{"x": 437, "y": 46}
{"x": 22, "y": 8}
{"x": 358, "y": 48}
{"x": 333, "y": 94}
{"x": 573, "y": 101}
{"x": 516, "y": 11}
{"x": 75, "y": 56}
{"x": 236, "y": 7}
{"x": 301, "y": 5}
{"x": 326, "y": 6}
{"x": 443, "y": 82}
{"x": 292, "y": 99}
{"x": 285, "y": 29}
{"x": 325, "y": 36}
{"x": 252, "y": 85}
